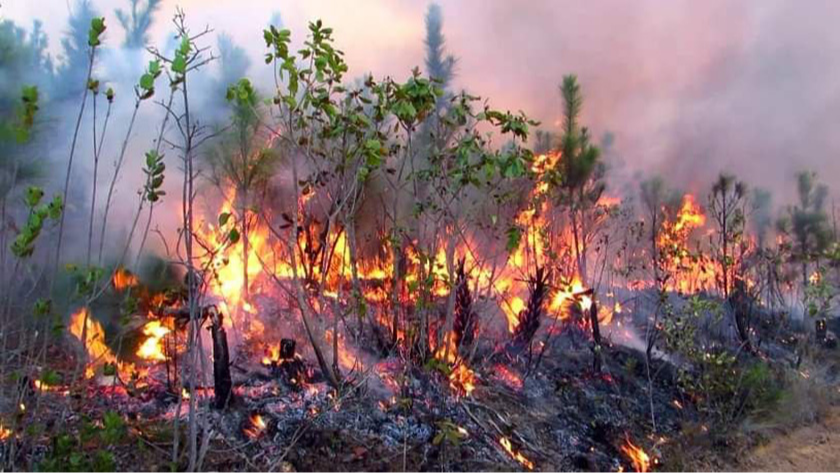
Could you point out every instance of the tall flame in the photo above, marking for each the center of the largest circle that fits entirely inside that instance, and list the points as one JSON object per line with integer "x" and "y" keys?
{"x": 151, "y": 348}
{"x": 98, "y": 352}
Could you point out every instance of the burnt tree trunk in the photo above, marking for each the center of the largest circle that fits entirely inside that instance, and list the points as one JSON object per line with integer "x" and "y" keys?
{"x": 222, "y": 382}
{"x": 596, "y": 336}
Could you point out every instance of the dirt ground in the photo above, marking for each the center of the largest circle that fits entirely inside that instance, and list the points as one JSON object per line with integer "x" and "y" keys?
{"x": 812, "y": 448}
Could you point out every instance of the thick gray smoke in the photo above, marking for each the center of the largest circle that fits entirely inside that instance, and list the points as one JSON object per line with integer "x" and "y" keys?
{"x": 688, "y": 88}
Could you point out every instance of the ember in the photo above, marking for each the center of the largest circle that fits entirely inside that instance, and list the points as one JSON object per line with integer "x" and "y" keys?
{"x": 508, "y": 377}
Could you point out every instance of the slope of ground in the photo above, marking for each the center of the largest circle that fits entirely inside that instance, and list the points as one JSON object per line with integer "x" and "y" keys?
{"x": 812, "y": 448}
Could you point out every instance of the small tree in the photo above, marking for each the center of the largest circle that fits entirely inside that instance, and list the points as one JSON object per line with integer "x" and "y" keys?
{"x": 581, "y": 174}
{"x": 137, "y": 22}
{"x": 727, "y": 203}
{"x": 239, "y": 161}
{"x": 439, "y": 65}
{"x": 809, "y": 222}
{"x": 73, "y": 68}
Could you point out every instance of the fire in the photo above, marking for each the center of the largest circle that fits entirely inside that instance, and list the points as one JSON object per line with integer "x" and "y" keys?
{"x": 43, "y": 387}
{"x": 256, "y": 426}
{"x": 151, "y": 348}
{"x": 508, "y": 377}
{"x": 347, "y": 360}
{"x": 688, "y": 272}
{"x": 123, "y": 279}
{"x": 524, "y": 461}
{"x": 98, "y": 352}
{"x": 575, "y": 292}
{"x": 228, "y": 262}
{"x": 640, "y": 459}
{"x": 461, "y": 377}
{"x": 690, "y": 215}
{"x": 272, "y": 355}
{"x": 5, "y": 433}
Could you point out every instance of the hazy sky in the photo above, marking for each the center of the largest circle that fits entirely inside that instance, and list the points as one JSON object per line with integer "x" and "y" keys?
{"x": 688, "y": 87}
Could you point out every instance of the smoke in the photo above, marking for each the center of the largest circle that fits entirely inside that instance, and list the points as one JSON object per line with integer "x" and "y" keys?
{"x": 687, "y": 89}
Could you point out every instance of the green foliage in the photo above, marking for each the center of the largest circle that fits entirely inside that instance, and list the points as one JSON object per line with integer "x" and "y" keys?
{"x": 809, "y": 220}
{"x": 24, "y": 243}
{"x": 146, "y": 85}
{"x": 154, "y": 171}
{"x": 51, "y": 378}
{"x": 75, "y": 51}
{"x": 449, "y": 433}
{"x": 86, "y": 279}
{"x": 233, "y": 63}
{"x": 97, "y": 28}
{"x": 721, "y": 385}
{"x": 27, "y": 71}
{"x": 181, "y": 60}
{"x": 820, "y": 293}
{"x": 89, "y": 450}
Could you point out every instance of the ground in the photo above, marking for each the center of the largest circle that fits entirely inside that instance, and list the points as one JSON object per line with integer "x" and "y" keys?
{"x": 812, "y": 448}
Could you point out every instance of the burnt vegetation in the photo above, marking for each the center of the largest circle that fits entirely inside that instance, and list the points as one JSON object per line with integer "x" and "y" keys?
{"x": 338, "y": 273}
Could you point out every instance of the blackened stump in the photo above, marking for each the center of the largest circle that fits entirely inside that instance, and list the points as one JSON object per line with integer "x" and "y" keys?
{"x": 222, "y": 382}
{"x": 287, "y": 349}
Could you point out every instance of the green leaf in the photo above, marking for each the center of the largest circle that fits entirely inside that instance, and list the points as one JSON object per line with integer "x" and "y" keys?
{"x": 33, "y": 196}
{"x": 184, "y": 49}
{"x": 223, "y": 218}
{"x": 97, "y": 27}
{"x": 179, "y": 65}
{"x": 514, "y": 237}
{"x": 147, "y": 81}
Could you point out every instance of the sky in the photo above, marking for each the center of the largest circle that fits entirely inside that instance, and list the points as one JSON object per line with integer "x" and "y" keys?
{"x": 688, "y": 88}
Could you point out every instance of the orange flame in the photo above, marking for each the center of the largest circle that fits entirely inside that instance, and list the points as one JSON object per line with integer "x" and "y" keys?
{"x": 123, "y": 279}
{"x": 524, "y": 461}
{"x": 508, "y": 377}
{"x": 98, "y": 352}
{"x": 4, "y": 433}
{"x": 151, "y": 348}
{"x": 461, "y": 377}
{"x": 256, "y": 426}
{"x": 640, "y": 459}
